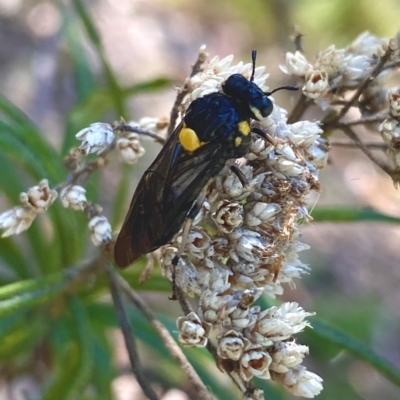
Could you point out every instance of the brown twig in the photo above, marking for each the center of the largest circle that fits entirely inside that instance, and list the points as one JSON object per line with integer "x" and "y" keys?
{"x": 184, "y": 91}
{"x": 376, "y": 146}
{"x": 368, "y": 119}
{"x": 169, "y": 342}
{"x": 374, "y": 73}
{"x": 130, "y": 342}
{"x": 301, "y": 106}
{"x": 391, "y": 65}
{"x": 353, "y": 136}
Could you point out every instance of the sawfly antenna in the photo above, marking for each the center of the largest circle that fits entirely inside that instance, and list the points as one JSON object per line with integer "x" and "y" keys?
{"x": 253, "y": 60}
{"x": 282, "y": 88}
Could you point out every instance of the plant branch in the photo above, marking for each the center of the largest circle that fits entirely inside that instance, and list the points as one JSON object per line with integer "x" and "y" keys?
{"x": 353, "y": 136}
{"x": 375, "y": 72}
{"x": 376, "y": 146}
{"x": 369, "y": 119}
{"x": 301, "y": 106}
{"x": 130, "y": 342}
{"x": 169, "y": 342}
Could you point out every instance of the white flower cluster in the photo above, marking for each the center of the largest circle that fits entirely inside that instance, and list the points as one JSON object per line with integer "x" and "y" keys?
{"x": 253, "y": 249}
{"x": 336, "y": 70}
{"x": 216, "y": 72}
{"x": 36, "y": 201}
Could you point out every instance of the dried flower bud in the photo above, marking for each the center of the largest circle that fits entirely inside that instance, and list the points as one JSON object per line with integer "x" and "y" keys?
{"x": 316, "y": 85}
{"x": 288, "y": 167}
{"x": 258, "y": 212}
{"x": 318, "y": 153}
{"x": 254, "y": 394}
{"x": 355, "y": 69}
{"x": 300, "y": 382}
{"x": 232, "y": 344}
{"x": 73, "y": 196}
{"x": 198, "y": 242}
{"x": 259, "y": 149}
{"x": 96, "y": 138}
{"x": 394, "y": 102}
{"x": 296, "y": 64}
{"x": 368, "y": 44}
{"x": 330, "y": 60}
{"x": 286, "y": 355}
{"x": 277, "y": 324}
{"x": 130, "y": 148}
{"x": 228, "y": 215}
{"x": 40, "y": 197}
{"x": 100, "y": 230}
{"x": 229, "y": 185}
{"x": 390, "y": 132}
{"x": 192, "y": 331}
{"x": 305, "y": 132}
{"x": 255, "y": 363}
{"x": 16, "y": 220}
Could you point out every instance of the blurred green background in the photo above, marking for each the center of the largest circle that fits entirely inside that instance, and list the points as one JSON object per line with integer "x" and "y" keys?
{"x": 66, "y": 64}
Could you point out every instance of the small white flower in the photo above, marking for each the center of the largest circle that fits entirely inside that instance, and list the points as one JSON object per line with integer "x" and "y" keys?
{"x": 305, "y": 132}
{"x": 390, "y": 132}
{"x": 316, "y": 85}
{"x": 330, "y": 60}
{"x": 16, "y": 220}
{"x": 255, "y": 363}
{"x": 355, "y": 69}
{"x": 286, "y": 355}
{"x": 258, "y": 212}
{"x": 394, "y": 102}
{"x": 288, "y": 167}
{"x": 368, "y": 44}
{"x": 318, "y": 153}
{"x": 228, "y": 215}
{"x": 296, "y": 64}
{"x": 255, "y": 394}
{"x": 100, "y": 230}
{"x": 300, "y": 382}
{"x": 130, "y": 148}
{"x": 192, "y": 331}
{"x": 232, "y": 344}
{"x": 40, "y": 197}
{"x": 74, "y": 196}
{"x": 96, "y": 138}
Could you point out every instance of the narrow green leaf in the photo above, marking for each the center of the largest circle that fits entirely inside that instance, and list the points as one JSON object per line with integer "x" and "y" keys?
{"x": 87, "y": 22}
{"x": 16, "y": 123}
{"x": 147, "y": 86}
{"x": 30, "y": 285}
{"x": 113, "y": 85}
{"x": 83, "y": 372}
{"x": 29, "y": 299}
{"x": 345, "y": 214}
{"x": 335, "y": 335}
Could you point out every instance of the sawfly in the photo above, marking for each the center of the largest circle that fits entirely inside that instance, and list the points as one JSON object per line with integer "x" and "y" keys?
{"x": 214, "y": 129}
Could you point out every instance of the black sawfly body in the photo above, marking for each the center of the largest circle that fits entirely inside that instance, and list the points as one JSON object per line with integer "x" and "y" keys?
{"x": 215, "y": 128}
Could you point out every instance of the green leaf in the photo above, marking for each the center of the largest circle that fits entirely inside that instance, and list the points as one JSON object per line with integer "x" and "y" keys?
{"x": 337, "y": 336}
{"x": 147, "y": 86}
{"x": 345, "y": 214}
{"x": 30, "y": 285}
{"x": 23, "y": 301}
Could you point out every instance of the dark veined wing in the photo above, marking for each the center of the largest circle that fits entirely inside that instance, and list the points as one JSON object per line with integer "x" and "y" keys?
{"x": 172, "y": 183}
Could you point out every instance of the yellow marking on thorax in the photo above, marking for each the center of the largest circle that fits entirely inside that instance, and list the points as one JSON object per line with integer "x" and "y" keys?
{"x": 189, "y": 139}
{"x": 244, "y": 128}
{"x": 238, "y": 141}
